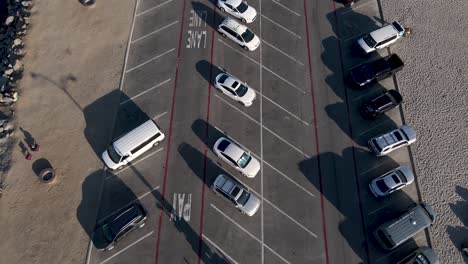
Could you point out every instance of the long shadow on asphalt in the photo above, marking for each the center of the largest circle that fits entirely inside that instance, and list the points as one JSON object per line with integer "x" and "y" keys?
{"x": 208, "y": 71}
{"x": 206, "y": 14}
{"x": 350, "y": 196}
{"x": 459, "y": 234}
{"x": 207, "y": 133}
{"x": 100, "y": 115}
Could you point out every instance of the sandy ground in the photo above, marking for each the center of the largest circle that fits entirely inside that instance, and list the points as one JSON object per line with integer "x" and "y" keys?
{"x": 75, "y": 55}
{"x": 69, "y": 52}
{"x": 434, "y": 87}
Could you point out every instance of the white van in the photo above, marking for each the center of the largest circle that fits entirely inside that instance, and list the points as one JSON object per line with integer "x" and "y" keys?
{"x": 381, "y": 38}
{"x": 131, "y": 145}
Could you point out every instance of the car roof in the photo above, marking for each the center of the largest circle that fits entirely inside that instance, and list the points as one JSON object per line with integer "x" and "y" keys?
{"x": 234, "y": 3}
{"x": 383, "y": 33}
{"x": 226, "y": 184}
{"x": 233, "y": 151}
{"x": 234, "y": 25}
{"x": 136, "y": 137}
{"x": 230, "y": 81}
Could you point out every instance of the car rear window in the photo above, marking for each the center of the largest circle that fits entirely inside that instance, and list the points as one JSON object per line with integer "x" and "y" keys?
{"x": 382, "y": 186}
{"x": 235, "y": 191}
{"x": 398, "y": 136}
{"x": 222, "y": 78}
{"x": 395, "y": 179}
{"x": 223, "y": 145}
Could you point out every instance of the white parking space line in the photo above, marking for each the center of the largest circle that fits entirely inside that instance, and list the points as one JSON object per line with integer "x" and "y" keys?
{"x": 219, "y": 249}
{"x": 133, "y": 164}
{"x": 250, "y": 234}
{"x": 276, "y": 2}
{"x": 139, "y": 198}
{"x": 266, "y": 128}
{"x": 371, "y": 168}
{"x": 284, "y": 53}
{"x": 136, "y": 96}
{"x": 284, "y": 109}
{"x": 287, "y": 30}
{"x": 127, "y": 247}
{"x": 264, "y": 67}
{"x": 154, "y": 7}
{"x": 271, "y": 166}
{"x": 374, "y": 127}
{"x": 160, "y": 55}
{"x": 355, "y": 7}
{"x": 158, "y": 116}
{"x": 290, "y": 218}
{"x": 154, "y": 32}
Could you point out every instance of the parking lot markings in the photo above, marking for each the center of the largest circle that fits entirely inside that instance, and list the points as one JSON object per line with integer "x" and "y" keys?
{"x": 290, "y": 218}
{"x": 127, "y": 247}
{"x": 284, "y": 175}
{"x": 156, "y": 31}
{"x": 284, "y": 109}
{"x": 158, "y": 116}
{"x": 261, "y": 140}
{"x": 148, "y": 61}
{"x": 136, "y": 96}
{"x": 276, "y": 2}
{"x": 133, "y": 164}
{"x": 264, "y": 67}
{"x": 284, "y": 53}
{"x": 250, "y": 234}
{"x": 154, "y": 7}
{"x": 139, "y": 198}
{"x": 219, "y": 249}
{"x": 287, "y": 30}
{"x": 388, "y": 121}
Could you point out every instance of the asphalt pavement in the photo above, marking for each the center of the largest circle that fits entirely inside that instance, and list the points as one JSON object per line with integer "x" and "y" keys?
{"x": 304, "y": 127}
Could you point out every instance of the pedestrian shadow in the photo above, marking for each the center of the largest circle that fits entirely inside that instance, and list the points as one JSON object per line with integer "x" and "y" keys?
{"x": 334, "y": 176}
{"x": 208, "y": 71}
{"x": 110, "y": 117}
{"x": 459, "y": 234}
{"x": 28, "y": 138}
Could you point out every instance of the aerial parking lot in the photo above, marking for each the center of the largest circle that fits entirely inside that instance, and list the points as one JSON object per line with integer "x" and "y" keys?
{"x": 267, "y": 131}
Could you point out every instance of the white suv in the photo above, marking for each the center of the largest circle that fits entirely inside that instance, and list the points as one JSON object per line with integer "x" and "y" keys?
{"x": 386, "y": 143}
{"x": 239, "y": 33}
{"x": 381, "y": 38}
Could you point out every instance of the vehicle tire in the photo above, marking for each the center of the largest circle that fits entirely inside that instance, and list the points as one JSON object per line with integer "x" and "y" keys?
{"x": 222, "y": 9}
{"x": 47, "y": 175}
{"x": 224, "y": 35}
{"x": 245, "y": 47}
{"x": 243, "y": 20}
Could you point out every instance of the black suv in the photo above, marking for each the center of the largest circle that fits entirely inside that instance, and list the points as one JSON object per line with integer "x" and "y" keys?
{"x": 110, "y": 230}
{"x": 381, "y": 104}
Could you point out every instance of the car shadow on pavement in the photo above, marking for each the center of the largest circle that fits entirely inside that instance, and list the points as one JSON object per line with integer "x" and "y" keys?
{"x": 207, "y": 133}
{"x": 346, "y": 113}
{"x": 349, "y": 194}
{"x": 206, "y": 14}
{"x": 459, "y": 234}
{"x": 208, "y": 71}
{"x": 103, "y": 124}
{"x": 88, "y": 212}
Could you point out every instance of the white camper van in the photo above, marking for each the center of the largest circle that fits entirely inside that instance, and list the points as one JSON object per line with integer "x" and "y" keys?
{"x": 131, "y": 145}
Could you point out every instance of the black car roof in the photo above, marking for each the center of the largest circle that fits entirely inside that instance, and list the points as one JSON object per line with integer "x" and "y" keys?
{"x": 126, "y": 216}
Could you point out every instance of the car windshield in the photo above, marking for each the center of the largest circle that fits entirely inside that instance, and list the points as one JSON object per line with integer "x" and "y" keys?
{"x": 113, "y": 155}
{"x": 369, "y": 41}
{"x": 242, "y": 7}
{"x": 222, "y": 78}
{"x": 244, "y": 197}
{"x": 248, "y": 35}
{"x": 382, "y": 186}
{"x": 242, "y": 90}
{"x": 377, "y": 146}
{"x": 381, "y": 101}
{"x": 368, "y": 72}
{"x": 108, "y": 234}
{"x": 244, "y": 160}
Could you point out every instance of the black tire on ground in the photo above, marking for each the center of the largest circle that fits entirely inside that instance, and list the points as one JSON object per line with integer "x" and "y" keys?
{"x": 47, "y": 175}
{"x": 245, "y": 47}
{"x": 243, "y": 20}
{"x": 222, "y": 9}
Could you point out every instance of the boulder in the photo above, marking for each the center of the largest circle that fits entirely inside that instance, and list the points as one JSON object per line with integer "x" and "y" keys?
{"x": 9, "y": 20}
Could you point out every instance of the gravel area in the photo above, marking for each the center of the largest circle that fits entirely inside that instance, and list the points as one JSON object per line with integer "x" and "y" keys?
{"x": 434, "y": 87}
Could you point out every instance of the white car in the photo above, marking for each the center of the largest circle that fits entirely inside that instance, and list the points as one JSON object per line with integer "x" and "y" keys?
{"x": 391, "y": 181}
{"x": 381, "y": 38}
{"x": 235, "y": 89}
{"x": 235, "y": 192}
{"x": 239, "y": 33}
{"x": 238, "y": 9}
{"x": 240, "y": 159}
{"x": 395, "y": 139}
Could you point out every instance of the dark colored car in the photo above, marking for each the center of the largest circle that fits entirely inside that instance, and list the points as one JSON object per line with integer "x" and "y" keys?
{"x": 423, "y": 255}
{"x": 381, "y": 104}
{"x": 110, "y": 230}
{"x": 373, "y": 71}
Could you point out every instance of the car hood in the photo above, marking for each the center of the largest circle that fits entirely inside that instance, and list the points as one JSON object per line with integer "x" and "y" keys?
{"x": 254, "y": 43}
{"x": 252, "y": 168}
{"x": 251, "y": 206}
{"x": 99, "y": 240}
{"x": 364, "y": 46}
{"x": 250, "y": 14}
{"x": 359, "y": 76}
{"x": 249, "y": 96}
{"x": 107, "y": 160}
